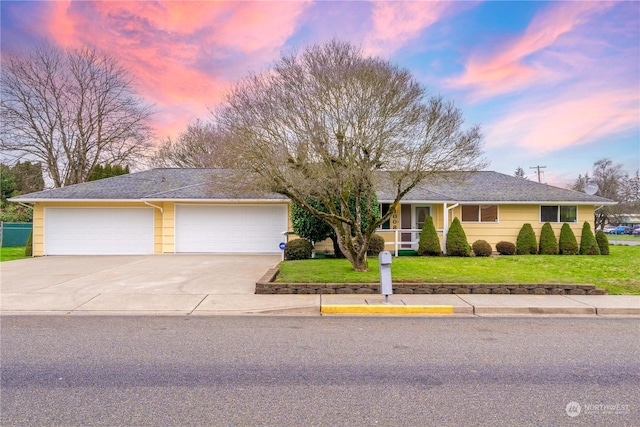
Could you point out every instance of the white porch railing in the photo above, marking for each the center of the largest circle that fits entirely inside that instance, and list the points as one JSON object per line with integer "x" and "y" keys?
{"x": 410, "y": 243}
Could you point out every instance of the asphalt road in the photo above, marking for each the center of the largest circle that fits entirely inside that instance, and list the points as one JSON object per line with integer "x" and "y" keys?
{"x": 315, "y": 371}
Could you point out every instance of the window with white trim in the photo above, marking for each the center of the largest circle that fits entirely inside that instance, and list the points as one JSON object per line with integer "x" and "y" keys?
{"x": 479, "y": 213}
{"x": 558, "y": 214}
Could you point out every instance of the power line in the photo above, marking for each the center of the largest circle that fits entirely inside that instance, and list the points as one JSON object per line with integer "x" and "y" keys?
{"x": 538, "y": 168}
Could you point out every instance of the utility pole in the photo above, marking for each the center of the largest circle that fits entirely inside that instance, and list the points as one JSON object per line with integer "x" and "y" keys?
{"x": 538, "y": 168}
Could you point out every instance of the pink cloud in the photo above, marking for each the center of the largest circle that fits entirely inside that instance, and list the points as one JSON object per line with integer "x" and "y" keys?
{"x": 396, "y": 23}
{"x": 512, "y": 65}
{"x": 184, "y": 55}
{"x": 580, "y": 116}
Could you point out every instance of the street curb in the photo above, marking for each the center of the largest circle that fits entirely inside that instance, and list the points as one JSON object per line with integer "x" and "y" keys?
{"x": 385, "y": 309}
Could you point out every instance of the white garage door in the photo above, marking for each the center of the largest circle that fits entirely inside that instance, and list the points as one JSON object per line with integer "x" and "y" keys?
{"x": 230, "y": 228}
{"x": 98, "y": 231}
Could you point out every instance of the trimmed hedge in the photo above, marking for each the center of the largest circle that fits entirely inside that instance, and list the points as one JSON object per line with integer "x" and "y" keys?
{"x": 568, "y": 245}
{"x": 526, "y": 243}
{"x": 481, "y": 248}
{"x": 376, "y": 245}
{"x": 298, "y": 249}
{"x": 603, "y": 242}
{"x": 588, "y": 243}
{"x": 457, "y": 244}
{"x": 506, "y": 248}
{"x": 429, "y": 243}
{"x": 548, "y": 241}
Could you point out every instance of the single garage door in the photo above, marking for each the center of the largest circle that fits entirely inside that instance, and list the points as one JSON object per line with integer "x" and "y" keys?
{"x": 98, "y": 231}
{"x": 230, "y": 228}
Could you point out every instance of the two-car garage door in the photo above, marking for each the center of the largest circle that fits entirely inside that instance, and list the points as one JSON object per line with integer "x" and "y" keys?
{"x": 98, "y": 231}
{"x": 229, "y": 228}
{"x": 130, "y": 231}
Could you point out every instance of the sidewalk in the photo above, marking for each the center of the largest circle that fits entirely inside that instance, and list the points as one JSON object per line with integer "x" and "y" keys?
{"x": 399, "y": 305}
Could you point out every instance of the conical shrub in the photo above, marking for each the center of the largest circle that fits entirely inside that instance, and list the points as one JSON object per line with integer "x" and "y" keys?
{"x": 526, "y": 243}
{"x": 588, "y": 243}
{"x": 28, "y": 250}
{"x": 603, "y": 242}
{"x": 548, "y": 241}
{"x": 457, "y": 244}
{"x": 429, "y": 243}
{"x": 568, "y": 245}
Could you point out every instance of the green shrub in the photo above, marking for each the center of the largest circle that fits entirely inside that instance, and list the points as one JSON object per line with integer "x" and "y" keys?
{"x": 298, "y": 249}
{"x": 506, "y": 248}
{"x": 28, "y": 250}
{"x": 588, "y": 243}
{"x": 482, "y": 248}
{"x": 457, "y": 244}
{"x": 376, "y": 245}
{"x": 548, "y": 241}
{"x": 568, "y": 245}
{"x": 429, "y": 243}
{"x": 526, "y": 243}
{"x": 603, "y": 242}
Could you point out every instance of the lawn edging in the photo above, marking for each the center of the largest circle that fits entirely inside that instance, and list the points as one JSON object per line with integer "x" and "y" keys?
{"x": 266, "y": 285}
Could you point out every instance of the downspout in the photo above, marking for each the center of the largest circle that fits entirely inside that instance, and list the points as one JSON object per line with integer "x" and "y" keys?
{"x": 161, "y": 222}
{"x": 445, "y": 228}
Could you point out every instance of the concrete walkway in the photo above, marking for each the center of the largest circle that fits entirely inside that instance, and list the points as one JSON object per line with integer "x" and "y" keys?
{"x": 224, "y": 285}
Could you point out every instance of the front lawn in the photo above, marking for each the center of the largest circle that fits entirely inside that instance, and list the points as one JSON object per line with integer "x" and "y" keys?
{"x": 9, "y": 254}
{"x": 618, "y": 273}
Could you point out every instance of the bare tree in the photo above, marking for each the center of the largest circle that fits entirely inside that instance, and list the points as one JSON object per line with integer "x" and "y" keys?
{"x": 331, "y": 124}
{"x": 70, "y": 110}
{"x": 201, "y": 145}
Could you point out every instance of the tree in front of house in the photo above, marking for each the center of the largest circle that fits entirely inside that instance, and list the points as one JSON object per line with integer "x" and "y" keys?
{"x": 315, "y": 229}
{"x": 457, "y": 244}
{"x": 107, "y": 171}
{"x": 526, "y": 243}
{"x": 70, "y": 109}
{"x": 567, "y": 243}
{"x": 588, "y": 242}
{"x": 329, "y": 123}
{"x": 548, "y": 242}
{"x": 429, "y": 242}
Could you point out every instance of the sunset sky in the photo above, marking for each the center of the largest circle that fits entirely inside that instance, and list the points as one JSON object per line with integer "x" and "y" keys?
{"x": 555, "y": 84}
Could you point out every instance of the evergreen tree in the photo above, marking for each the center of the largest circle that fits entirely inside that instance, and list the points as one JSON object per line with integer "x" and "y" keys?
{"x": 429, "y": 243}
{"x": 526, "y": 243}
{"x": 568, "y": 245}
{"x": 548, "y": 241}
{"x": 457, "y": 244}
{"x": 588, "y": 243}
{"x": 603, "y": 242}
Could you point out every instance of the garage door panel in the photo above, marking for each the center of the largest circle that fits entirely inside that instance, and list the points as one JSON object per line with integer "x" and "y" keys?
{"x": 98, "y": 231}
{"x": 230, "y": 228}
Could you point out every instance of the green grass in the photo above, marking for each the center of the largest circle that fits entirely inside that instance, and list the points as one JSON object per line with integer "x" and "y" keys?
{"x": 618, "y": 273}
{"x": 623, "y": 238}
{"x": 10, "y": 254}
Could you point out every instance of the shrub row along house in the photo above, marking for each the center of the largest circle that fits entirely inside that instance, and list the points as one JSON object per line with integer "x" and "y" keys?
{"x": 203, "y": 210}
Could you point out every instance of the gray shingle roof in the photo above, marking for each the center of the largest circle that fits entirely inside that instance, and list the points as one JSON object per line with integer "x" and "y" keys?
{"x": 217, "y": 184}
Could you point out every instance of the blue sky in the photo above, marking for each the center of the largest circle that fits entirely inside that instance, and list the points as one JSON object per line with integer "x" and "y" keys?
{"x": 555, "y": 84}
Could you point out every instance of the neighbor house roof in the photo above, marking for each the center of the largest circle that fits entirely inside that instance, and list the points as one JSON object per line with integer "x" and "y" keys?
{"x": 222, "y": 184}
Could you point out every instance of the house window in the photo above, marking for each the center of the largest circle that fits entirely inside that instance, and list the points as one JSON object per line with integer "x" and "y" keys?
{"x": 558, "y": 214}
{"x": 480, "y": 213}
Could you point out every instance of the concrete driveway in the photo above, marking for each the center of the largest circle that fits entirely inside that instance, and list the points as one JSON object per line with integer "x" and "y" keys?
{"x": 179, "y": 282}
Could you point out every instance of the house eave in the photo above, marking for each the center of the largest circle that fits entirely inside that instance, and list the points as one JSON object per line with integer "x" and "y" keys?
{"x": 503, "y": 202}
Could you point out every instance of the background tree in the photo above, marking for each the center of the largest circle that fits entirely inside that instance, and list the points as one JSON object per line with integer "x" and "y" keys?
{"x": 519, "y": 173}
{"x": 21, "y": 178}
{"x": 612, "y": 182}
{"x": 324, "y": 122}
{"x": 107, "y": 171}
{"x": 201, "y": 145}
{"x": 70, "y": 110}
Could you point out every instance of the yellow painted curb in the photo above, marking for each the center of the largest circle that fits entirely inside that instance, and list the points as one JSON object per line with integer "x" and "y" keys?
{"x": 385, "y": 309}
